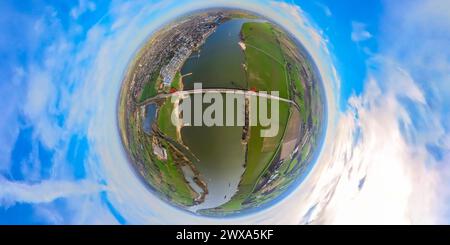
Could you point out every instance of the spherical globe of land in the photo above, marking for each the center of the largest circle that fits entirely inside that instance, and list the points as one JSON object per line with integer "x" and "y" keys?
{"x": 221, "y": 112}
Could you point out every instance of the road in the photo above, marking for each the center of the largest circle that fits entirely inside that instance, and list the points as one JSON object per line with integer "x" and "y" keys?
{"x": 220, "y": 91}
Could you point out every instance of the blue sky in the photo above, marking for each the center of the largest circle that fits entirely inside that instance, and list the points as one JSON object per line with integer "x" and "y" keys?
{"x": 385, "y": 64}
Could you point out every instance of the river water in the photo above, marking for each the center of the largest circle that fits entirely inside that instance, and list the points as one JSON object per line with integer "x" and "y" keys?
{"x": 219, "y": 149}
{"x": 220, "y": 62}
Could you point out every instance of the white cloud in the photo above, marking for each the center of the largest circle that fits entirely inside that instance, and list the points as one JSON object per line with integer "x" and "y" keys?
{"x": 40, "y": 94}
{"x": 89, "y": 209}
{"x": 326, "y": 10}
{"x": 83, "y": 7}
{"x": 44, "y": 191}
{"x": 379, "y": 169}
{"x": 9, "y": 125}
{"x": 373, "y": 175}
{"x": 359, "y": 32}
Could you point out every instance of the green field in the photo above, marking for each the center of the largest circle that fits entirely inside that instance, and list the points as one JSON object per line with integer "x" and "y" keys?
{"x": 172, "y": 179}
{"x": 176, "y": 83}
{"x": 299, "y": 97}
{"x": 164, "y": 120}
{"x": 242, "y": 15}
{"x": 150, "y": 88}
{"x": 163, "y": 174}
{"x": 265, "y": 60}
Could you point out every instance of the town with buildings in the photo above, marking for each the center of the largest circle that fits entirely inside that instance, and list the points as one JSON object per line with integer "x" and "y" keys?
{"x": 170, "y": 49}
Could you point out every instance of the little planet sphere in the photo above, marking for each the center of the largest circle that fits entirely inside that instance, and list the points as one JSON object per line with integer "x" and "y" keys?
{"x": 221, "y": 112}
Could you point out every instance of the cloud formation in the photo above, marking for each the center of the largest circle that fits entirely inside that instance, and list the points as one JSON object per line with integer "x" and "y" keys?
{"x": 45, "y": 191}
{"x": 380, "y": 169}
{"x": 359, "y": 32}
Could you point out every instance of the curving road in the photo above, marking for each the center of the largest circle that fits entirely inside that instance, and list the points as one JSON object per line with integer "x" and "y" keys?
{"x": 217, "y": 90}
